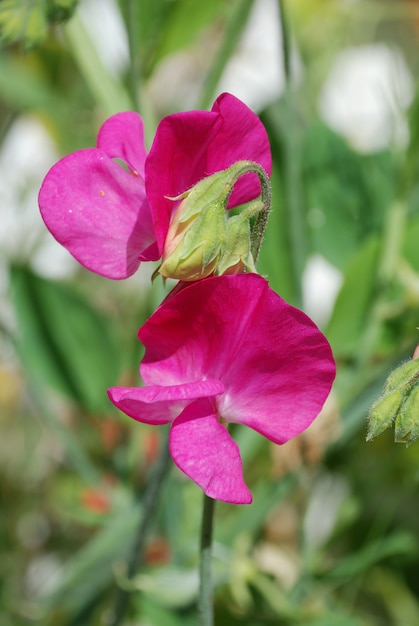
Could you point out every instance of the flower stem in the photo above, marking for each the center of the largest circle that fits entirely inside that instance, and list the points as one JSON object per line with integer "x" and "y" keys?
{"x": 137, "y": 553}
{"x": 108, "y": 92}
{"x": 285, "y": 37}
{"x": 261, "y": 220}
{"x": 131, "y": 17}
{"x": 234, "y": 28}
{"x": 206, "y": 613}
{"x": 292, "y": 159}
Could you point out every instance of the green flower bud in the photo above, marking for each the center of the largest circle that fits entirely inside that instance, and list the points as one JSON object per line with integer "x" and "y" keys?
{"x": 399, "y": 404}
{"x": 197, "y": 232}
{"x": 383, "y": 413}
{"x": 403, "y": 375}
{"x": 237, "y": 256}
{"x": 407, "y": 422}
{"x": 203, "y": 237}
{"x": 60, "y": 10}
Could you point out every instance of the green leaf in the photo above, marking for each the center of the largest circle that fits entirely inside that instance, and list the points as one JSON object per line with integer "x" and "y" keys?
{"x": 399, "y": 543}
{"x": 23, "y": 21}
{"x": 275, "y": 259}
{"x": 345, "y": 327}
{"x": 335, "y": 620}
{"x": 155, "y": 614}
{"x": 266, "y": 496}
{"x": 347, "y": 193}
{"x": 184, "y": 23}
{"x": 91, "y": 570}
{"x": 63, "y": 342}
{"x": 23, "y": 88}
{"x": 410, "y": 243}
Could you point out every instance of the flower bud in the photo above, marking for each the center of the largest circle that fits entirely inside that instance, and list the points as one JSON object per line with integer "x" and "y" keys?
{"x": 197, "y": 233}
{"x": 237, "y": 257}
{"x": 60, "y": 10}
{"x": 407, "y": 421}
{"x": 203, "y": 237}
{"x": 399, "y": 404}
{"x": 403, "y": 375}
{"x": 383, "y": 413}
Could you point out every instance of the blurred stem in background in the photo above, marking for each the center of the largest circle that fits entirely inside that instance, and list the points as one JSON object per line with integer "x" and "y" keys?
{"x": 149, "y": 500}
{"x": 132, "y": 10}
{"x": 232, "y": 33}
{"x": 293, "y": 185}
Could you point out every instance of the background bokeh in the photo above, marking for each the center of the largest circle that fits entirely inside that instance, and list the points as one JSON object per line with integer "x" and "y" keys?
{"x": 331, "y": 537}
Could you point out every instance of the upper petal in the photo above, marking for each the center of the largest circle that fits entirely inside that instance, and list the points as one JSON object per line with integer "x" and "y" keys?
{"x": 191, "y": 145}
{"x": 276, "y": 365}
{"x": 203, "y": 449}
{"x": 122, "y": 137}
{"x": 160, "y": 404}
{"x": 99, "y": 212}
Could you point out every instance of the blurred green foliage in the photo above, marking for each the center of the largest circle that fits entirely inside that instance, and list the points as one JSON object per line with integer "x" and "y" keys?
{"x": 331, "y": 537}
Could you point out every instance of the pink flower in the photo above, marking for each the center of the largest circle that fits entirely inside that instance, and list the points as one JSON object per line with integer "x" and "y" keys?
{"x": 110, "y": 216}
{"x": 224, "y": 350}
{"x": 192, "y": 145}
{"x": 98, "y": 209}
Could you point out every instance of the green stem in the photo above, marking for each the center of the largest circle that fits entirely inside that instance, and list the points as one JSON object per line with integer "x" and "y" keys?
{"x": 131, "y": 20}
{"x": 286, "y": 54}
{"x": 137, "y": 553}
{"x": 393, "y": 239}
{"x": 258, "y": 230}
{"x": 292, "y": 165}
{"x": 206, "y": 611}
{"x": 7, "y": 124}
{"x": 232, "y": 34}
{"x": 261, "y": 221}
{"x": 108, "y": 92}
{"x": 386, "y": 274}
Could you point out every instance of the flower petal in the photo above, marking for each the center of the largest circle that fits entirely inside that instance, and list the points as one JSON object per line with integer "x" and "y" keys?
{"x": 158, "y": 404}
{"x": 203, "y": 449}
{"x": 191, "y": 145}
{"x": 276, "y": 366}
{"x": 122, "y": 137}
{"x": 99, "y": 212}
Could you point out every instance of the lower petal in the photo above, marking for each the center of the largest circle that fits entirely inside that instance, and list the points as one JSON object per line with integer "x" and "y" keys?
{"x": 203, "y": 449}
{"x": 159, "y": 404}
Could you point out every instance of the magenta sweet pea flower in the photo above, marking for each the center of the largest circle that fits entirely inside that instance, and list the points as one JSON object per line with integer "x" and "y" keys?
{"x": 97, "y": 208}
{"x": 112, "y": 215}
{"x": 225, "y": 350}
{"x": 192, "y": 145}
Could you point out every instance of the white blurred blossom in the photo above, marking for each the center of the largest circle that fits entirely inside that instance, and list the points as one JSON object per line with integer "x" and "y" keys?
{"x": 366, "y": 95}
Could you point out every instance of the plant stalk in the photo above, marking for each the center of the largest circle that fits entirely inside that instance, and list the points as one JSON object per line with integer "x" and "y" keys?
{"x": 205, "y": 604}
